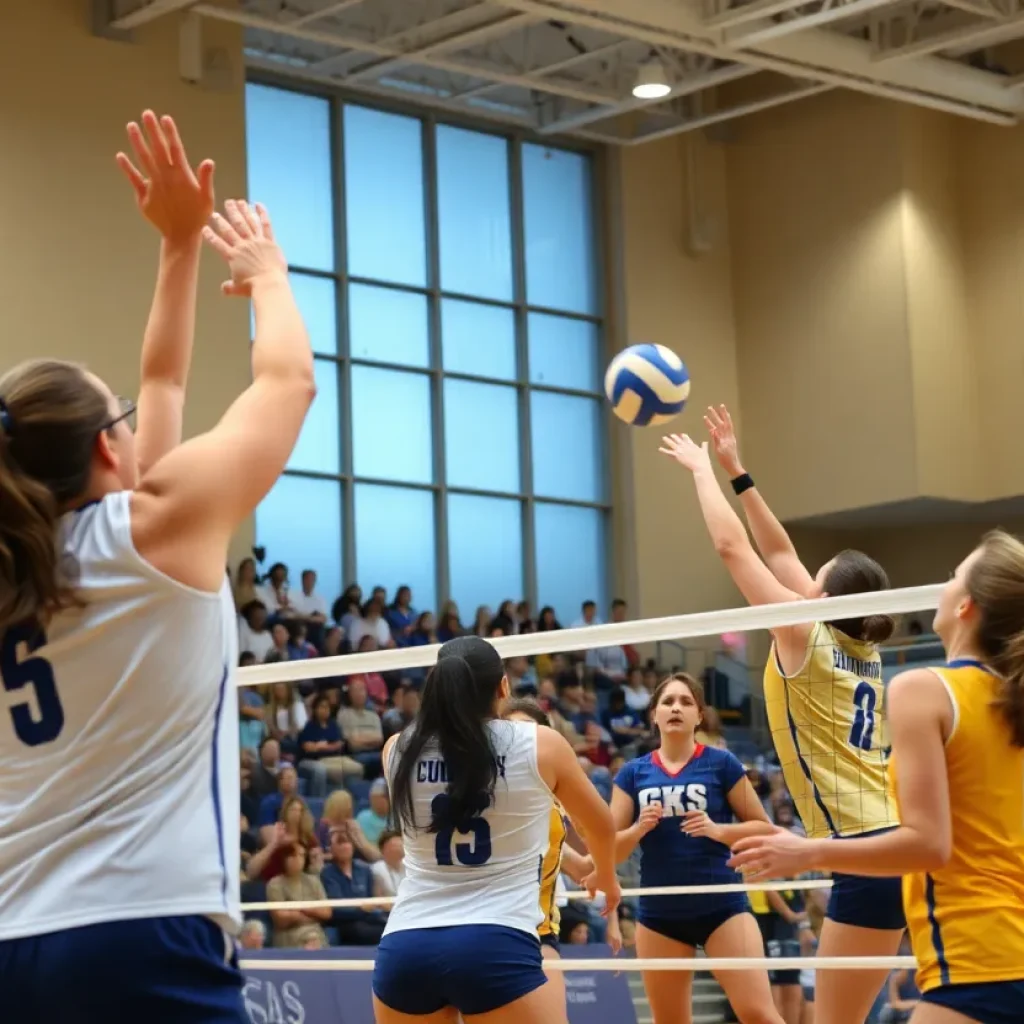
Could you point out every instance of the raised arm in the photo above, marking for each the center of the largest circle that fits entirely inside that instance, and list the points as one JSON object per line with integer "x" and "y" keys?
{"x": 190, "y": 503}
{"x": 769, "y": 534}
{"x": 178, "y": 202}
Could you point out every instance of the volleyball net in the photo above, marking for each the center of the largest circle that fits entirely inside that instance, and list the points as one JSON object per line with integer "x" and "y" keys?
{"x": 696, "y": 643}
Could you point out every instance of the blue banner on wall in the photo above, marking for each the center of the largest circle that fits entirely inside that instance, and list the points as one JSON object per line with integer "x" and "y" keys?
{"x": 343, "y": 997}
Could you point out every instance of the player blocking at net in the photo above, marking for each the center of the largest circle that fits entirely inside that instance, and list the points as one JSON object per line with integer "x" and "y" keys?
{"x": 958, "y": 771}
{"x": 824, "y": 699}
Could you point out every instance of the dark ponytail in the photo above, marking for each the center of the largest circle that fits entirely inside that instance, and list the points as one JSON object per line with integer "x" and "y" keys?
{"x": 995, "y": 583}
{"x": 853, "y": 572}
{"x": 50, "y": 417}
{"x": 459, "y": 699}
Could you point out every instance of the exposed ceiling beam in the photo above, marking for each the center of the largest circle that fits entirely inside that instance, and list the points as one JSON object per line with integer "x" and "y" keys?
{"x": 738, "y": 15}
{"x": 982, "y": 8}
{"x": 459, "y": 40}
{"x": 828, "y": 13}
{"x": 325, "y": 12}
{"x": 149, "y": 12}
{"x": 685, "y": 87}
{"x": 342, "y": 42}
{"x": 827, "y": 57}
{"x": 965, "y": 38}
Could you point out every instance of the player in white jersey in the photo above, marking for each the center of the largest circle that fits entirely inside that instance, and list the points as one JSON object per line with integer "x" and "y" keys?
{"x": 119, "y": 732}
{"x": 473, "y": 797}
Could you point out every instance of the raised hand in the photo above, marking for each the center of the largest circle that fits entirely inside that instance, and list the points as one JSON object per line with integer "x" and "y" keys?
{"x": 723, "y": 437}
{"x": 173, "y": 197}
{"x": 685, "y": 451}
{"x": 244, "y": 237}
{"x": 777, "y": 855}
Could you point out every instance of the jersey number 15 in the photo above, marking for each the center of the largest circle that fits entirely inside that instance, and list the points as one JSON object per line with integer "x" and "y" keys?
{"x": 17, "y": 673}
{"x": 470, "y": 855}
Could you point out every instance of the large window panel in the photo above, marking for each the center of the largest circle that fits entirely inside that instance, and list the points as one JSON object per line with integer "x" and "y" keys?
{"x": 384, "y": 193}
{"x": 478, "y": 340}
{"x": 563, "y": 352}
{"x": 299, "y": 523}
{"x": 319, "y": 308}
{"x": 317, "y": 450}
{"x": 395, "y": 543}
{"x": 485, "y": 552}
{"x": 558, "y": 213}
{"x": 474, "y": 221}
{"x": 388, "y": 326}
{"x": 391, "y": 425}
{"x": 288, "y": 138}
{"x": 567, "y": 446}
{"x": 481, "y": 425}
{"x": 570, "y": 558}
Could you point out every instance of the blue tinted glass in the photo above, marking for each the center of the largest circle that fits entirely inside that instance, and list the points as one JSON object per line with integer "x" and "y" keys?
{"x": 289, "y": 152}
{"x": 485, "y": 552}
{"x": 479, "y": 340}
{"x": 299, "y": 523}
{"x": 557, "y": 207}
{"x": 391, "y": 425}
{"x": 384, "y": 196}
{"x": 566, "y": 444}
{"x": 570, "y": 558}
{"x": 317, "y": 448}
{"x": 563, "y": 352}
{"x": 473, "y": 213}
{"x": 481, "y": 432}
{"x": 388, "y": 326}
{"x": 395, "y": 544}
{"x": 315, "y": 299}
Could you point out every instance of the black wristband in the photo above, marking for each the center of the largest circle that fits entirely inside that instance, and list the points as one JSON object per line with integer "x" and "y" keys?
{"x": 742, "y": 483}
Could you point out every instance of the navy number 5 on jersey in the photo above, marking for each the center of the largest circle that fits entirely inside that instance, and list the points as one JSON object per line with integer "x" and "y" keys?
{"x": 470, "y": 855}
{"x": 20, "y": 671}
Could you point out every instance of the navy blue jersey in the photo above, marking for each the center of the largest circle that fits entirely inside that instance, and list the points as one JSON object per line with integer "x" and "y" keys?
{"x": 668, "y": 855}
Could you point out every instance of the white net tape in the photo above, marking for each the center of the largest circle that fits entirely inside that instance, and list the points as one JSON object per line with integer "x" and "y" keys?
{"x": 641, "y": 631}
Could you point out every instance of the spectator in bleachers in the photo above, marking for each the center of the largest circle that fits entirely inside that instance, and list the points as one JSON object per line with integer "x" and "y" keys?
{"x": 371, "y": 623}
{"x": 625, "y": 726}
{"x": 339, "y": 812}
{"x": 299, "y": 647}
{"x": 265, "y": 770}
{"x": 651, "y": 676}
{"x": 271, "y": 804}
{"x": 597, "y": 750}
{"x": 334, "y": 642}
{"x": 546, "y": 622}
{"x": 482, "y": 621}
{"x": 253, "y": 635}
{"x": 588, "y": 615}
{"x": 295, "y": 929}
{"x": 276, "y": 592}
{"x": 620, "y": 613}
{"x": 389, "y": 871}
{"x": 323, "y": 761}
{"x": 286, "y": 717}
{"x": 521, "y": 675}
{"x": 253, "y": 935}
{"x": 310, "y": 605}
{"x": 407, "y": 706}
{"x": 345, "y": 879}
{"x": 348, "y": 608}
{"x": 423, "y": 633}
{"x": 251, "y": 719}
{"x": 377, "y": 689}
{"x": 361, "y": 727}
{"x": 506, "y": 620}
{"x": 638, "y": 697}
{"x": 449, "y": 624}
{"x": 401, "y": 616}
{"x": 524, "y": 619}
{"x": 279, "y": 637}
{"x": 373, "y": 820}
{"x": 246, "y": 587}
{"x": 294, "y": 825}
{"x": 710, "y": 731}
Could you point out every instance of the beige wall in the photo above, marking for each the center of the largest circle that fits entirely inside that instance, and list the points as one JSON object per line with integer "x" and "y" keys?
{"x": 77, "y": 261}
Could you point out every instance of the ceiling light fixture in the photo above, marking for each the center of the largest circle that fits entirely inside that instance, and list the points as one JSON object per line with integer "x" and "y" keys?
{"x": 651, "y": 81}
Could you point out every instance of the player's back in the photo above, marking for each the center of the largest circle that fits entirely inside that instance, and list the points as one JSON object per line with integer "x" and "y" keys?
{"x": 966, "y": 919}
{"x": 830, "y": 732}
{"x": 490, "y": 874}
{"x": 119, "y": 749}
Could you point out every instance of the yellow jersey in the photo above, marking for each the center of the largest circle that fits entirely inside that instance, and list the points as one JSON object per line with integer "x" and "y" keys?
{"x": 550, "y": 869}
{"x": 830, "y": 732}
{"x": 966, "y": 920}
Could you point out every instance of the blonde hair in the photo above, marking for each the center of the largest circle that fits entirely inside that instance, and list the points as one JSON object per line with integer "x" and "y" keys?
{"x": 339, "y": 806}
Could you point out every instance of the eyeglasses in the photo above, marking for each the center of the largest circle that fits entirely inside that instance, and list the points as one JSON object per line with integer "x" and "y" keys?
{"x": 127, "y": 415}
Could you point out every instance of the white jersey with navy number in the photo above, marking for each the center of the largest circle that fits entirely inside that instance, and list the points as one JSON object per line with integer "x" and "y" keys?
{"x": 119, "y": 745}
{"x": 668, "y": 856}
{"x": 491, "y": 873}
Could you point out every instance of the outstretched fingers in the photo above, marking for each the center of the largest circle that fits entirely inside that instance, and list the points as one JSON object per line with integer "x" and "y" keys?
{"x": 134, "y": 175}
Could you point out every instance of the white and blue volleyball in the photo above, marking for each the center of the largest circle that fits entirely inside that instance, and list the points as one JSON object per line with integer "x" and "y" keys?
{"x": 647, "y": 385}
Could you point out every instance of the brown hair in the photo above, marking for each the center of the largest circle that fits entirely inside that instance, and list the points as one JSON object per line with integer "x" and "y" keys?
{"x": 695, "y": 686}
{"x": 525, "y": 706}
{"x": 386, "y": 836}
{"x": 995, "y": 583}
{"x": 853, "y": 572}
{"x": 51, "y": 416}
{"x": 306, "y": 824}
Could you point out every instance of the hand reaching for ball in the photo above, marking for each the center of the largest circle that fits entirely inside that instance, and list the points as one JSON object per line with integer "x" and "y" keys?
{"x": 686, "y": 451}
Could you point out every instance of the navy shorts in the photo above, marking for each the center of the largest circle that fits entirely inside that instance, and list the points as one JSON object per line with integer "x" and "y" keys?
{"x": 991, "y": 1002}
{"x": 552, "y": 940}
{"x": 867, "y": 902}
{"x": 476, "y": 968}
{"x": 171, "y": 970}
{"x": 693, "y": 931}
{"x": 787, "y": 948}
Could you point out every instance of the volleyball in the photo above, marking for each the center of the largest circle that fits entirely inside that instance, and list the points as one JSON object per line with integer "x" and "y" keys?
{"x": 647, "y": 385}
